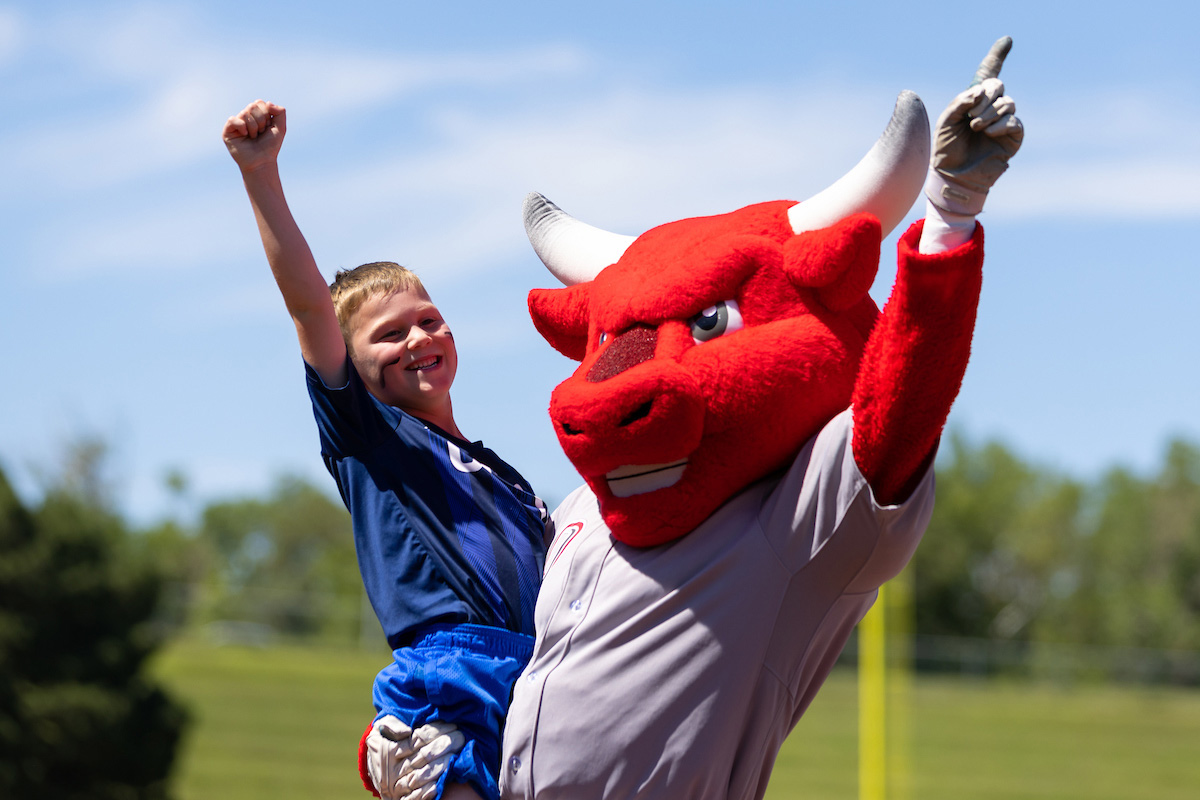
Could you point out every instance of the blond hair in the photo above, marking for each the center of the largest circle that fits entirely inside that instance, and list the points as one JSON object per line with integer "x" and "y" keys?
{"x": 353, "y": 287}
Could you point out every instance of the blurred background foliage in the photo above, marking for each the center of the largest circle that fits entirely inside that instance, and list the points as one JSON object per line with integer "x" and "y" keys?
{"x": 1016, "y": 554}
{"x": 80, "y": 716}
{"x": 1047, "y": 570}
{"x": 1023, "y": 572}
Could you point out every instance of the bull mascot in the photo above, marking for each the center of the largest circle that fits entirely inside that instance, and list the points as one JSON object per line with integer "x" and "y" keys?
{"x": 757, "y": 440}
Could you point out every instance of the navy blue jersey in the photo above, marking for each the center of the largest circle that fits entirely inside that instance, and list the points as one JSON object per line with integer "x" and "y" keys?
{"x": 445, "y": 531}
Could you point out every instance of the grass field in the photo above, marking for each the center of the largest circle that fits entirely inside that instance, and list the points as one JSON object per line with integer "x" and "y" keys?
{"x": 285, "y": 722}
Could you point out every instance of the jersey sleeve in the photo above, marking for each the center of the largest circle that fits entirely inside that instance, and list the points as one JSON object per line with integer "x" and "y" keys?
{"x": 823, "y": 515}
{"x": 349, "y": 419}
{"x": 914, "y": 362}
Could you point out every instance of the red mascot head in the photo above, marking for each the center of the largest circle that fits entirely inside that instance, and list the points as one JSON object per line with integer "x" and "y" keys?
{"x": 713, "y": 348}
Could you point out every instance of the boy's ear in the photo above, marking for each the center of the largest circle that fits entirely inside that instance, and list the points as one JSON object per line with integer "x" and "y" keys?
{"x": 561, "y": 317}
{"x": 838, "y": 262}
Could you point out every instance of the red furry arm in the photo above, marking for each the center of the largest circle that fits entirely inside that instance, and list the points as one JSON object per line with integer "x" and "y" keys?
{"x": 363, "y": 772}
{"x": 914, "y": 363}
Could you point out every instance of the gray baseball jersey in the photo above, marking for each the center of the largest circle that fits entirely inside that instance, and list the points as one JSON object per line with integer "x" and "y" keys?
{"x": 677, "y": 671}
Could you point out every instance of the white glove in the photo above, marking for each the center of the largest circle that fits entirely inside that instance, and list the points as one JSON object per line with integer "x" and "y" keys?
{"x": 405, "y": 764}
{"x": 975, "y": 137}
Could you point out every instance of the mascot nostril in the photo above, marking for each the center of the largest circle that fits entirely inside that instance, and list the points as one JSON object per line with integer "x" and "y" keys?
{"x": 640, "y": 412}
{"x": 628, "y": 350}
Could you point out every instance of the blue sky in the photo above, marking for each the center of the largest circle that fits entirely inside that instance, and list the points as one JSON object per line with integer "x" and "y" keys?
{"x": 138, "y": 306}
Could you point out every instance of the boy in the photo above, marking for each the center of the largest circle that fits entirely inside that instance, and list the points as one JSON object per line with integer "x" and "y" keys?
{"x": 450, "y": 539}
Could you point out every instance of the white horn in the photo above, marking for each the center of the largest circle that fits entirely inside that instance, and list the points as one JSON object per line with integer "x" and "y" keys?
{"x": 573, "y": 251}
{"x": 885, "y": 183}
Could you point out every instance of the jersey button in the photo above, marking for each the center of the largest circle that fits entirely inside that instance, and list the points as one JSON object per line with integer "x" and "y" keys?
{"x": 532, "y": 676}
{"x": 577, "y": 606}
{"x": 514, "y": 764}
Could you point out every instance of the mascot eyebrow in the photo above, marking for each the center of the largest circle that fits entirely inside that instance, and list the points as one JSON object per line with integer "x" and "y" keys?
{"x": 679, "y": 292}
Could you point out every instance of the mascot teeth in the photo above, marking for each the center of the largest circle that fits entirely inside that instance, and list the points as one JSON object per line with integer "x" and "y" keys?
{"x": 637, "y": 479}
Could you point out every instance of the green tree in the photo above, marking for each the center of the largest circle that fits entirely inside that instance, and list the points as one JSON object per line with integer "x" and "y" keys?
{"x": 79, "y": 718}
{"x": 1020, "y": 554}
{"x": 1138, "y": 561}
{"x": 968, "y": 570}
{"x": 286, "y": 561}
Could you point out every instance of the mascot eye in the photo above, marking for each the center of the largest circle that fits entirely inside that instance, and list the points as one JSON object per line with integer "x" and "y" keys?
{"x": 716, "y": 321}
{"x": 603, "y": 338}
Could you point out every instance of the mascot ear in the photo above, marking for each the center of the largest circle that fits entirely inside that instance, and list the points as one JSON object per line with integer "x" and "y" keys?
{"x": 838, "y": 262}
{"x": 561, "y": 317}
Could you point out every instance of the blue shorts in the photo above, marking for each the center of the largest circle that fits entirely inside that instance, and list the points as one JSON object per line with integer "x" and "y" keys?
{"x": 461, "y": 674}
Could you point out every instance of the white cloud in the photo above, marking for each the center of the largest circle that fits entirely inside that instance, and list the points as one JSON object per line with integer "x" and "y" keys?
{"x": 12, "y": 35}
{"x": 160, "y": 234}
{"x": 634, "y": 160}
{"x": 176, "y": 82}
{"x": 1146, "y": 188}
{"x": 628, "y": 161}
{"x": 620, "y": 158}
{"x": 1124, "y": 119}
{"x": 1113, "y": 155}
{"x": 623, "y": 160}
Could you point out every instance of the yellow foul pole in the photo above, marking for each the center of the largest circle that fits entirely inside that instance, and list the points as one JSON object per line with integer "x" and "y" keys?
{"x": 872, "y": 701}
{"x": 884, "y": 686}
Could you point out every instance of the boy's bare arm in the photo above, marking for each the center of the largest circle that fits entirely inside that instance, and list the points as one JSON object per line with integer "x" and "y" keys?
{"x": 253, "y": 137}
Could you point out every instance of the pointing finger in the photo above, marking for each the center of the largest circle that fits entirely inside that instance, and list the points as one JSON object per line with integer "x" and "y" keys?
{"x": 993, "y": 61}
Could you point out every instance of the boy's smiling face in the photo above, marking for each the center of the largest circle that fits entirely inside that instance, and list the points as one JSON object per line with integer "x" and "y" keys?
{"x": 404, "y": 352}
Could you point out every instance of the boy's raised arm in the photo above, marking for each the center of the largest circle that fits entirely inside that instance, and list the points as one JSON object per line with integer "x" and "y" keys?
{"x": 253, "y": 137}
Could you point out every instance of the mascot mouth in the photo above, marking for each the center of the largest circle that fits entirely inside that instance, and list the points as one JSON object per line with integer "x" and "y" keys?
{"x": 636, "y": 479}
